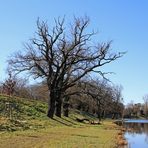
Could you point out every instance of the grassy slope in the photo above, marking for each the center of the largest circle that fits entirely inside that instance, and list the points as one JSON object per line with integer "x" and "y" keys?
{"x": 33, "y": 129}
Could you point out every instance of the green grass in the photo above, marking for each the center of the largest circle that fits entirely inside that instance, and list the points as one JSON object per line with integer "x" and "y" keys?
{"x": 26, "y": 114}
{"x": 102, "y": 136}
{"x": 32, "y": 129}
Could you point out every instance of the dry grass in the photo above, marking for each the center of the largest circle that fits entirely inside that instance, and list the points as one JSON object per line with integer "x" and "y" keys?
{"x": 121, "y": 141}
{"x": 84, "y": 136}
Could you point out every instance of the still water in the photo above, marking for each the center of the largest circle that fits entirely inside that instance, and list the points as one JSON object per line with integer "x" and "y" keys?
{"x": 136, "y": 133}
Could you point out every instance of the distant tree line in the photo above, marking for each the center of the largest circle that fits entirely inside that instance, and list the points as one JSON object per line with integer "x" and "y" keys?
{"x": 95, "y": 97}
{"x": 137, "y": 110}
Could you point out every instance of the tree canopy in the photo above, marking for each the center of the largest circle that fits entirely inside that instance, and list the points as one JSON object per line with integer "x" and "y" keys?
{"x": 62, "y": 56}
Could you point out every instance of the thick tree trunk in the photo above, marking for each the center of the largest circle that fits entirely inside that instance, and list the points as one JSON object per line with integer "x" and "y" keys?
{"x": 66, "y": 113}
{"x": 51, "y": 106}
{"x": 58, "y": 107}
{"x": 66, "y": 106}
{"x": 66, "y": 109}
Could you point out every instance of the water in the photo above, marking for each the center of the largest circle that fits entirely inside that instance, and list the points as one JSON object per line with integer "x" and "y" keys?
{"x": 136, "y": 133}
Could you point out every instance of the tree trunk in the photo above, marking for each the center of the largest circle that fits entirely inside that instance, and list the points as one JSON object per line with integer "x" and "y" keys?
{"x": 66, "y": 109}
{"x": 114, "y": 115}
{"x": 58, "y": 107}
{"x": 66, "y": 112}
{"x": 99, "y": 115}
{"x": 66, "y": 106}
{"x": 104, "y": 114}
{"x": 99, "y": 111}
{"x": 51, "y": 106}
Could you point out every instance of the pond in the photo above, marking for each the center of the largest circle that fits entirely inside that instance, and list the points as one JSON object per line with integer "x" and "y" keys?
{"x": 136, "y": 133}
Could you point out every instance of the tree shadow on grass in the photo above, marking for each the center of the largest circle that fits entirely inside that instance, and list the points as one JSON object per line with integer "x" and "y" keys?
{"x": 32, "y": 136}
{"x": 73, "y": 119}
{"x": 59, "y": 120}
{"x": 84, "y": 136}
{"x": 69, "y": 121}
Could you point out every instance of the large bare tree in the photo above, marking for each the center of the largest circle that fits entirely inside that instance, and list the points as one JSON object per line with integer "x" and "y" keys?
{"x": 62, "y": 57}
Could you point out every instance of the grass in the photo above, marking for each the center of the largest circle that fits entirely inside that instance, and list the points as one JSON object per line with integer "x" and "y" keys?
{"x": 102, "y": 136}
{"x": 35, "y": 130}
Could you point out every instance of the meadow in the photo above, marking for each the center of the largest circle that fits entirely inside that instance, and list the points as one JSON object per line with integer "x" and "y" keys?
{"x": 30, "y": 128}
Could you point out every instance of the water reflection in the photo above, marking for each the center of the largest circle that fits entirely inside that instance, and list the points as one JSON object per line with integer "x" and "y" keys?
{"x": 137, "y": 133}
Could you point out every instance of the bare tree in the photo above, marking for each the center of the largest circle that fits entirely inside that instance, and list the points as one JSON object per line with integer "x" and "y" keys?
{"x": 97, "y": 90}
{"x": 117, "y": 101}
{"x": 9, "y": 85}
{"x": 145, "y": 98}
{"x": 21, "y": 88}
{"x": 39, "y": 91}
{"x": 62, "y": 57}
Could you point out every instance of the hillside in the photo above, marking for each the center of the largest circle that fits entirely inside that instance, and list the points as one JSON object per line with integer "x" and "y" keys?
{"x": 32, "y": 129}
{"x": 22, "y": 114}
{"x": 19, "y": 113}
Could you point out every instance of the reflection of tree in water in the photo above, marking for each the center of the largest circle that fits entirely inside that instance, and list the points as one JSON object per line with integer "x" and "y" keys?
{"x": 137, "y": 128}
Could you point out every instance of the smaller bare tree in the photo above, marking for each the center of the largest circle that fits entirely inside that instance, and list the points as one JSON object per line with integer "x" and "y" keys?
{"x": 9, "y": 85}
{"x": 117, "y": 101}
{"x": 145, "y": 98}
{"x": 97, "y": 90}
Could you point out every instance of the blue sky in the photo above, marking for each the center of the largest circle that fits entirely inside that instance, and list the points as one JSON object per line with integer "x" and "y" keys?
{"x": 123, "y": 21}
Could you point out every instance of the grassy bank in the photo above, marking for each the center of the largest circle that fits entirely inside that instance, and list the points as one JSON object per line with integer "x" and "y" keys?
{"x": 102, "y": 136}
{"x": 32, "y": 129}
